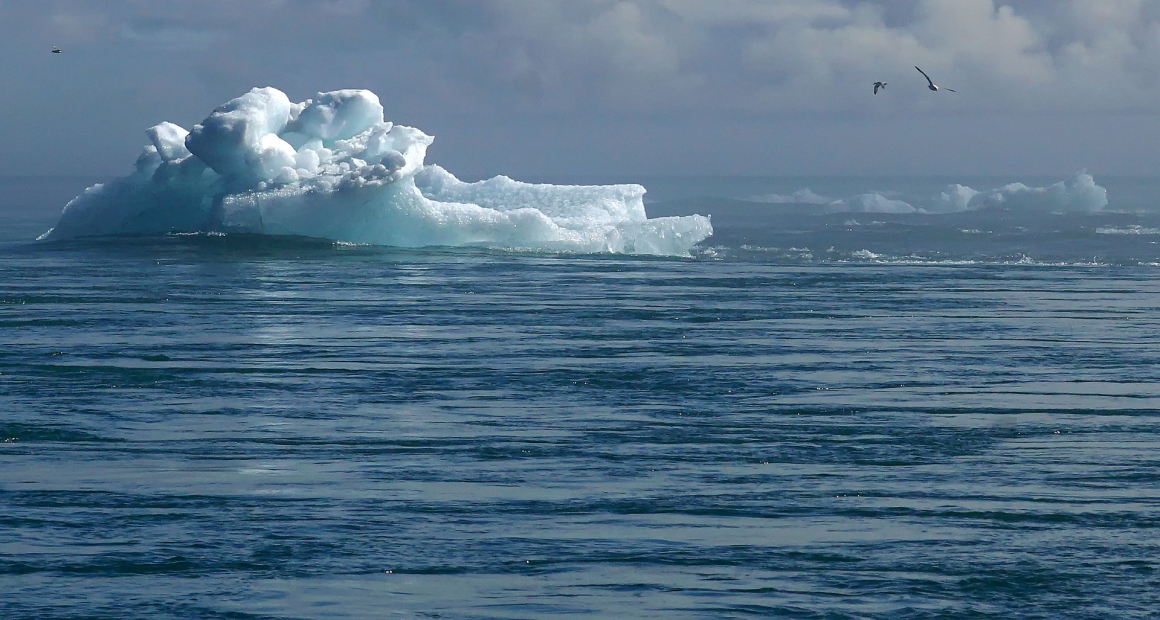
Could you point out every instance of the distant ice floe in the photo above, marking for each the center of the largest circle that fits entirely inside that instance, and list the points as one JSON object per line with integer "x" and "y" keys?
{"x": 875, "y": 203}
{"x": 804, "y": 196}
{"x": 332, "y": 168}
{"x": 1076, "y": 194}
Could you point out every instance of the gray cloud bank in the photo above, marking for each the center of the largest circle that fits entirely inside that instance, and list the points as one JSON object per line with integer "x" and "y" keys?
{"x": 653, "y": 86}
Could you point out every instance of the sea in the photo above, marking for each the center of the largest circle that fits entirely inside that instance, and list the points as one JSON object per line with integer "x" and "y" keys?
{"x": 814, "y": 415}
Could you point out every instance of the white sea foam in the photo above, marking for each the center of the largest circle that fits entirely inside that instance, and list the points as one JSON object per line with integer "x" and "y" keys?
{"x": 1129, "y": 230}
{"x": 332, "y": 168}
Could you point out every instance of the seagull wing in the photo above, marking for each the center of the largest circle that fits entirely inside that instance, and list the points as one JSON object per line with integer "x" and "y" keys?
{"x": 950, "y": 90}
{"x": 928, "y": 80}
{"x": 876, "y": 87}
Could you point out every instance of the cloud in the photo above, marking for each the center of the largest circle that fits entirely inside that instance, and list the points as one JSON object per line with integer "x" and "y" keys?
{"x": 635, "y": 56}
{"x": 818, "y": 55}
{"x": 587, "y": 66}
{"x": 167, "y": 38}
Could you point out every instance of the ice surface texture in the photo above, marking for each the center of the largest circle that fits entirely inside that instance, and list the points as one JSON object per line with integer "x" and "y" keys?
{"x": 332, "y": 168}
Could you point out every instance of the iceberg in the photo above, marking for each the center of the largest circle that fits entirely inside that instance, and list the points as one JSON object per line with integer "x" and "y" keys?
{"x": 804, "y": 196}
{"x": 1078, "y": 193}
{"x": 331, "y": 167}
{"x": 877, "y": 203}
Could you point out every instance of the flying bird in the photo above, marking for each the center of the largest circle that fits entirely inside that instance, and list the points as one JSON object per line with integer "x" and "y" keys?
{"x": 930, "y": 84}
{"x": 878, "y": 85}
{"x": 57, "y": 50}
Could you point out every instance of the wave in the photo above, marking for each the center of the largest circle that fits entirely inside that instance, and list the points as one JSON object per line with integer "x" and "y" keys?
{"x": 867, "y": 257}
{"x": 1128, "y": 230}
{"x": 332, "y": 168}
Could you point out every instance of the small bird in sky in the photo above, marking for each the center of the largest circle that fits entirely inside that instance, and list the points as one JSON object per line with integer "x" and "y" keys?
{"x": 57, "y": 50}
{"x": 930, "y": 84}
{"x": 878, "y": 85}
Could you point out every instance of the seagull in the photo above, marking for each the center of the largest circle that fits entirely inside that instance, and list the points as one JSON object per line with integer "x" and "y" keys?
{"x": 931, "y": 85}
{"x": 57, "y": 50}
{"x": 878, "y": 85}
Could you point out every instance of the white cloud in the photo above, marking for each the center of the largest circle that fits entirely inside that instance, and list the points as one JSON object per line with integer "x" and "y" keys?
{"x": 786, "y": 55}
{"x": 587, "y": 64}
{"x": 758, "y": 56}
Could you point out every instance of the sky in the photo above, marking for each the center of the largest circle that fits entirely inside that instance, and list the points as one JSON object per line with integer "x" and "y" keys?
{"x": 538, "y": 88}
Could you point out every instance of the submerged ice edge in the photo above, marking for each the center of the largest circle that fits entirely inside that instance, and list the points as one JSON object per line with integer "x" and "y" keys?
{"x": 1079, "y": 193}
{"x": 333, "y": 168}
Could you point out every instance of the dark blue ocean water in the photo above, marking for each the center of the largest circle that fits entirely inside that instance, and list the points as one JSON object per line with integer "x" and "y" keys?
{"x": 841, "y": 416}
